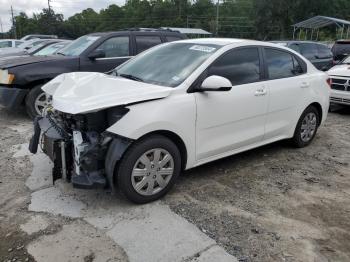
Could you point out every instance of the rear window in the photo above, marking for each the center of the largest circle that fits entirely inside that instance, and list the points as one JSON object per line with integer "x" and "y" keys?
{"x": 310, "y": 51}
{"x": 341, "y": 50}
{"x": 324, "y": 51}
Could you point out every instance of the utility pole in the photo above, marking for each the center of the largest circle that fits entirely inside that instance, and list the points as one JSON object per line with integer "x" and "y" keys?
{"x": 2, "y": 30}
{"x": 217, "y": 17}
{"x": 13, "y": 23}
{"x": 48, "y": 3}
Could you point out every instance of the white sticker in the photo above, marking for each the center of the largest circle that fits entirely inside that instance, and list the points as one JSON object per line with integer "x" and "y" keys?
{"x": 202, "y": 48}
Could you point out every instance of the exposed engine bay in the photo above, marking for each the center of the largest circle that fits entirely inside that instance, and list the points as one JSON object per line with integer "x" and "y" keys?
{"x": 78, "y": 144}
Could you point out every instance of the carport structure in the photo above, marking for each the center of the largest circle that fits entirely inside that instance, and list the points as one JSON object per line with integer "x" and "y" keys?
{"x": 313, "y": 25}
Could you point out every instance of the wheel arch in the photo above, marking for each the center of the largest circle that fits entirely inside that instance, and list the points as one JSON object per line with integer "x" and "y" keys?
{"x": 176, "y": 139}
{"x": 319, "y": 110}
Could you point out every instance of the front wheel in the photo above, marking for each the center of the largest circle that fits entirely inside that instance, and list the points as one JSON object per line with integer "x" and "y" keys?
{"x": 36, "y": 100}
{"x": 149, "y": 169}
{"x": 306, "y": 128}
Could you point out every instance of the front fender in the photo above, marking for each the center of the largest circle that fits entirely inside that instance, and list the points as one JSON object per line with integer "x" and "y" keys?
{"x": 176, "y": 114}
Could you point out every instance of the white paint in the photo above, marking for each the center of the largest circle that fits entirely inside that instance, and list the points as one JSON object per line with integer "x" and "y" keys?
{"x": 35, "y": 224}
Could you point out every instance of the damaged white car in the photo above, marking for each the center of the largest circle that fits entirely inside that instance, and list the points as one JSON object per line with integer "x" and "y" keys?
{"x": 175, "y": 107}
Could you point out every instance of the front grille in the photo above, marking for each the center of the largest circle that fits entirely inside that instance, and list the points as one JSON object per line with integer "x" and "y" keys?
{"x": 341, "y": 84}
{"x": 340, "y": 100}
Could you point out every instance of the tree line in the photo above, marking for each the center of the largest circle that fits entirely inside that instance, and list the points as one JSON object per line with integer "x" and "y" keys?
{"x": 256, "y": 19}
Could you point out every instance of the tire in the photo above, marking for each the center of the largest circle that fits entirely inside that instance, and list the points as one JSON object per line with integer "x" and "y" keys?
{"x": 149, "y": 175}
{"x": 31, "y": 100}
{"x": 304, "y": 136}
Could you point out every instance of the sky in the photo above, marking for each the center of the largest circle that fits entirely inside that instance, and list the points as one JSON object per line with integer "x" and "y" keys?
{"x": 65, "y": 7}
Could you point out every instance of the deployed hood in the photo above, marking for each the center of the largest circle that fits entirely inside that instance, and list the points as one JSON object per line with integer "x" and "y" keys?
{"x": 340, "y": 70}
{"x": 24, "y": 60}
{"x": 83, "y": 92}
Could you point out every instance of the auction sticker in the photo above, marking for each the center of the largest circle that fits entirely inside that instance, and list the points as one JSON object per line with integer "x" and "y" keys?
{"x": 203, "y": 48}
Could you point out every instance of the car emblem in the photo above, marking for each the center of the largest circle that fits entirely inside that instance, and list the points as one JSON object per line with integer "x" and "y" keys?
{"x": 347, "y": 85}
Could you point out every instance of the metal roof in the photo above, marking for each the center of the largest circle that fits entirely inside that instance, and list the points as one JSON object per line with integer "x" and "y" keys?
{"x": 189, "y": 31}
{"x": 321, "y": 21}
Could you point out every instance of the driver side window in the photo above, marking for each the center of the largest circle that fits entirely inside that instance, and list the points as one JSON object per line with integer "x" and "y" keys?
{"x": 115, "y": 47}
{"x": 241, "y": 66}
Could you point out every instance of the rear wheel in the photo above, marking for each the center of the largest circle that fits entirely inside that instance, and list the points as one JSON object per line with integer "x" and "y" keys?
{"x": 36, "y": 100}
{"x": 149, "y": 169}
{"x": 306, "y": 128}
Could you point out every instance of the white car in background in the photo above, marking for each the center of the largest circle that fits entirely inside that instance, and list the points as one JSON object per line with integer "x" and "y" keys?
{"x": 340, "y": 76}
{"x": 9, "y": 43}
{"x": 177, "y": 106}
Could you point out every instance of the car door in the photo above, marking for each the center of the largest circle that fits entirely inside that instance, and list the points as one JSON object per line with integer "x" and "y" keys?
{"x": 114, "y": 51}
{"x": 287, "y": 82}
{"x": 227, "y": 121}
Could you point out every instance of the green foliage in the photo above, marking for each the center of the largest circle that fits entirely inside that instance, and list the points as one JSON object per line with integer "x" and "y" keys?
{"x": 258, "y": 19}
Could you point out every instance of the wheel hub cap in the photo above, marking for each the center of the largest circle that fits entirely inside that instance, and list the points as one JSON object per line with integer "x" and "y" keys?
{"x": 152, "y": 172}
{"x": 308, "y": 127}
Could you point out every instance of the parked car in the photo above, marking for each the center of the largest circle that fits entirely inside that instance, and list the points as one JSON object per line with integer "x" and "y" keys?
{"x": 6, "y": 43}
{"x": 34, "y": 49}
{"x": 340, "y": 76}
{"x": 320, "y": 55}
{"x": 98, "y": 52}
{"x": 175, "y": 107}
{"x": 38, "y": 36}
{"x": 341, "y": 49}
{"x": 9, "y": 51}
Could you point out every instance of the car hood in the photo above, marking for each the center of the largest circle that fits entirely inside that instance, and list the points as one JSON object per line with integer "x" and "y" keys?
{"x": 25, "y": 60}
{"x": 340, "y": 70}
{"x": 83, "y": 92}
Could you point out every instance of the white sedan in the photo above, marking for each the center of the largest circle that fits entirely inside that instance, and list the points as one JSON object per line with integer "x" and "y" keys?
{"x": 175, "y": 107}
{"x": 340, "y": 75}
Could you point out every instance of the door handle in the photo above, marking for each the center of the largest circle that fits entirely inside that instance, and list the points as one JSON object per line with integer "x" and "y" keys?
{"x": 305, "y": 85}
{"x": 260, "y": 92}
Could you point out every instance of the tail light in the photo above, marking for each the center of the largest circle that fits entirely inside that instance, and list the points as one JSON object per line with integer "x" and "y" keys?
{"x": 329, "y": 82}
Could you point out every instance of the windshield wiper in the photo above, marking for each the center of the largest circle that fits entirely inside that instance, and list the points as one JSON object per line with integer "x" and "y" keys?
{"x": 131, "y": 77}
{"x": 59, "y": 53}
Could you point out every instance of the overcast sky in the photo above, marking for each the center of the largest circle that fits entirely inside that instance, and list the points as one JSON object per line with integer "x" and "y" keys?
{"x": 65, "y": 7}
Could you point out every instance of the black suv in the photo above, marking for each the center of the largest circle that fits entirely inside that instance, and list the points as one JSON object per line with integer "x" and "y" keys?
{"x": 21, "y": 79}
{"x": 341, "y": 49}
{"x": 318, "y": 54}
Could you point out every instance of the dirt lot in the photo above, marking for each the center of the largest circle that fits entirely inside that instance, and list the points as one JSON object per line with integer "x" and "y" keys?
{"x": 274, "y": 203}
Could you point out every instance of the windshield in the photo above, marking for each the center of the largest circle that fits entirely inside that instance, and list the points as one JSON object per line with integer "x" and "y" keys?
{"x": 51, "y": 49}
{"x": 78, "y": 46}
{"x": 167, "y": 65}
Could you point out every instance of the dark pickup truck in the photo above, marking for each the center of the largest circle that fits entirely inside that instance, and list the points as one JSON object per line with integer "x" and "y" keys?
{"x": 21, "y": 79}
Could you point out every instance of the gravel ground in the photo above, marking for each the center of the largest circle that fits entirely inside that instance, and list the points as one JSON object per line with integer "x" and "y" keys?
{"x": 275, "y": 203}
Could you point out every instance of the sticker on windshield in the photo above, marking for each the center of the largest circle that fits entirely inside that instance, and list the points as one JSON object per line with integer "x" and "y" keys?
{"x": 202, "y": 48}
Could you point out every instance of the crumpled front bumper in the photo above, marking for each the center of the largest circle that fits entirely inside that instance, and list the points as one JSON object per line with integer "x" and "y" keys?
{"x": 60, "y": 150}
{"x": 12, "y": 98}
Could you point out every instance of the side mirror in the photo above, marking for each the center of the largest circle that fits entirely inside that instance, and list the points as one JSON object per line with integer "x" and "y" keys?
{"x": 96, "y": 54}
{"x": 215, "y": 83}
